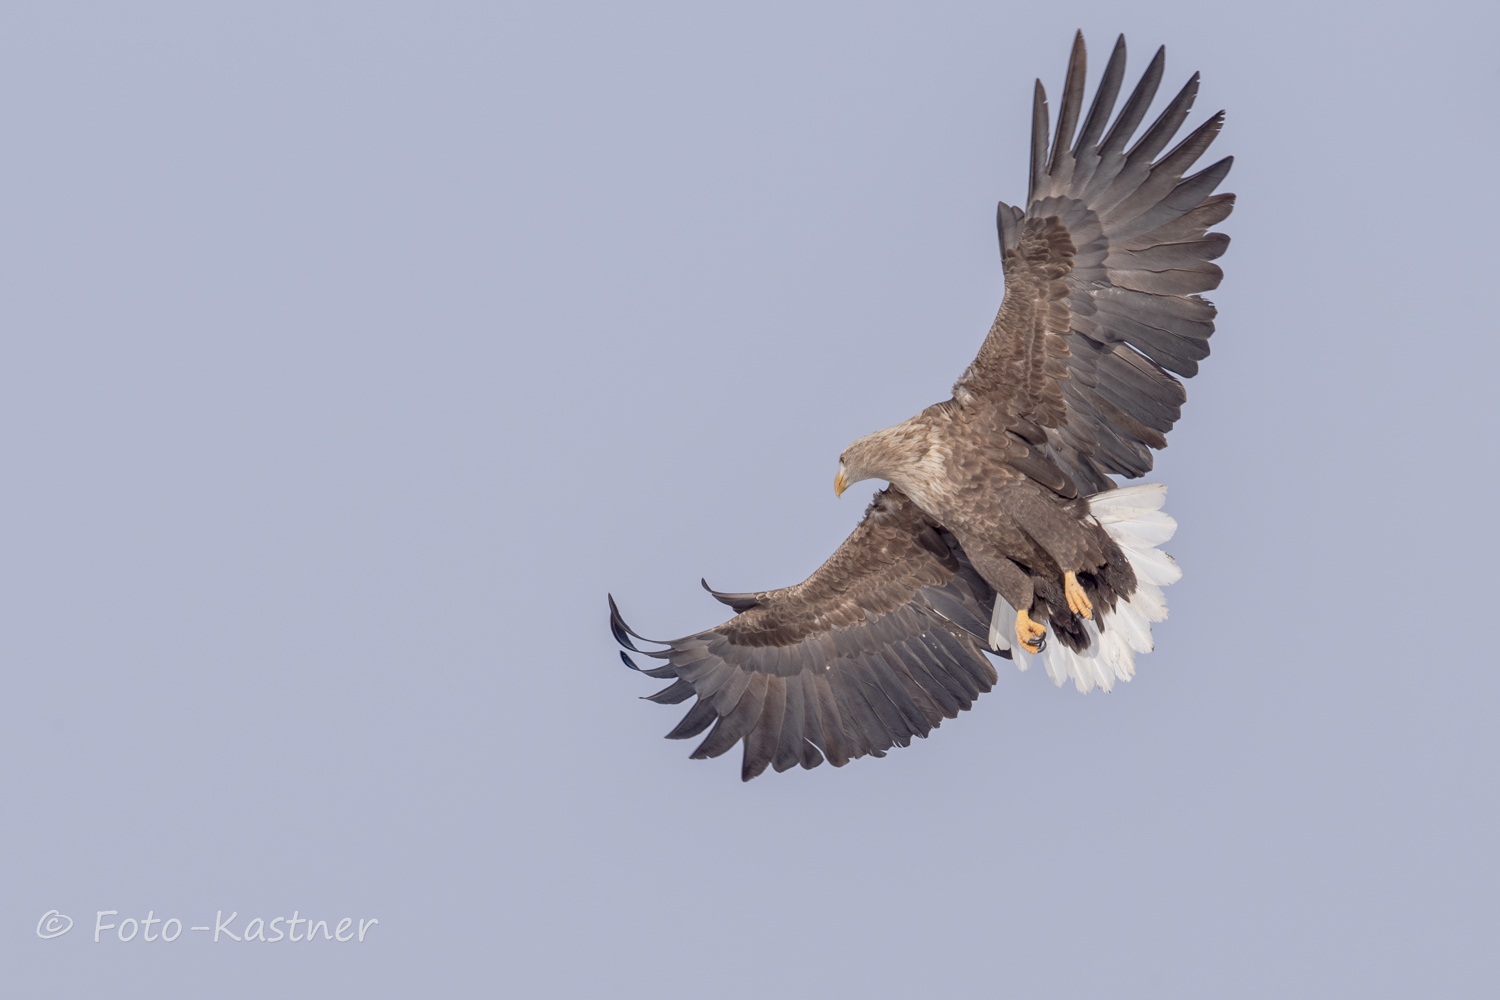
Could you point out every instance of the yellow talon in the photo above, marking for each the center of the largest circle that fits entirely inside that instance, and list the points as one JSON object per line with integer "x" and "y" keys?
{"x": 1078, "y": 601}
{"x": 1029, "y": 634}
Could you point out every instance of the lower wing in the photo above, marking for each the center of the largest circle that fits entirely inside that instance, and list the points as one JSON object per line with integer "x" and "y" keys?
{"x": 879, "y": 645}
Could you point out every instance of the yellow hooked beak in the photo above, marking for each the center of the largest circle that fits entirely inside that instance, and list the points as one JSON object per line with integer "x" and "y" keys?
{"x": 840, "y": 483}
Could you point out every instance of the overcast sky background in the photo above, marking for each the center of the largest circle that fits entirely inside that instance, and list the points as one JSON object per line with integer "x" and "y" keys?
{"x": 352, "y": 352}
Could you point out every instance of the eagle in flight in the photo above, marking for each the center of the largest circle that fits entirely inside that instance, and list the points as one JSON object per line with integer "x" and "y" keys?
{"x": 1001, "y": 531}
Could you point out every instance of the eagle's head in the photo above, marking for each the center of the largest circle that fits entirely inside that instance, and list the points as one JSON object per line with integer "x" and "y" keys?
{"x": 882, "y": 455}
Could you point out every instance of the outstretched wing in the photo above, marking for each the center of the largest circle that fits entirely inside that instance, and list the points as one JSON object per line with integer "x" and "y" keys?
{"x": 1101, "y": 275}
{"x": 879, "y": 645}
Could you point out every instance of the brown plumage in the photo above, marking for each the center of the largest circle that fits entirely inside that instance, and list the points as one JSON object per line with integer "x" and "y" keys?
{"x": 996, "y": 504}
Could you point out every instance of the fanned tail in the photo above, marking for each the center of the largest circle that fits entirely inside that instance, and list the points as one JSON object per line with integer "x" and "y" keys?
{"x": 1134, "y": 519}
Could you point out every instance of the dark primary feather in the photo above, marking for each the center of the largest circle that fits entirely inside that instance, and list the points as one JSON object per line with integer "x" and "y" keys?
{"x": 1067, "y": 117}
{"x": 1102, "y": 275}
{"x": 880, "y": 644}
{"x": 1104, "y": 97}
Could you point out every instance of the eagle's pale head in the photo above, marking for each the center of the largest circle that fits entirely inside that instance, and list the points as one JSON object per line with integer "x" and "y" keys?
{"x": 885, "y": 454}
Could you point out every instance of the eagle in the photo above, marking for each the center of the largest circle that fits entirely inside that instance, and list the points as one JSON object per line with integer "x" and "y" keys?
{"x": 1001, "y": 532}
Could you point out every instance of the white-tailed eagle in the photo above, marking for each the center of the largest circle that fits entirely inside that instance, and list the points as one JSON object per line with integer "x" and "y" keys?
{"x": 1001, "y": 531}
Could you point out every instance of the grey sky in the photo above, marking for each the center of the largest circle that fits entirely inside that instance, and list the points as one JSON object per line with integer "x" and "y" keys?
{"x": 354, "y": 351}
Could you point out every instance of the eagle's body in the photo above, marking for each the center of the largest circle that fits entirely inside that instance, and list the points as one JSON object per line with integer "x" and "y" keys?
{"x": 966, "y": 471}
{"x": 1001, "y": 522}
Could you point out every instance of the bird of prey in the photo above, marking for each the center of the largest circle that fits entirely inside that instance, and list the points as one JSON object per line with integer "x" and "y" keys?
{"x": 1001, "y": 531}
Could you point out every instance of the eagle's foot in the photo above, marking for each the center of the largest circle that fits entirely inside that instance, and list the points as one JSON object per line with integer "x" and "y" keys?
{"x": 1078, "y": 601}
{"x": 1029, "y": 634}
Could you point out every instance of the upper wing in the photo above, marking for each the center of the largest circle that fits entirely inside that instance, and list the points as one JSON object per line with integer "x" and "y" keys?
{"x": 879, "y": 645}
{"x": 1101, "y": 272}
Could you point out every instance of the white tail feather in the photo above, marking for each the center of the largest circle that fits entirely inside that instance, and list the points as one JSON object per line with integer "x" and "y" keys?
{"x": 1134, "y": 519}
{"x": 1151, "y": 528}
{"x": 1128, "y": 503}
